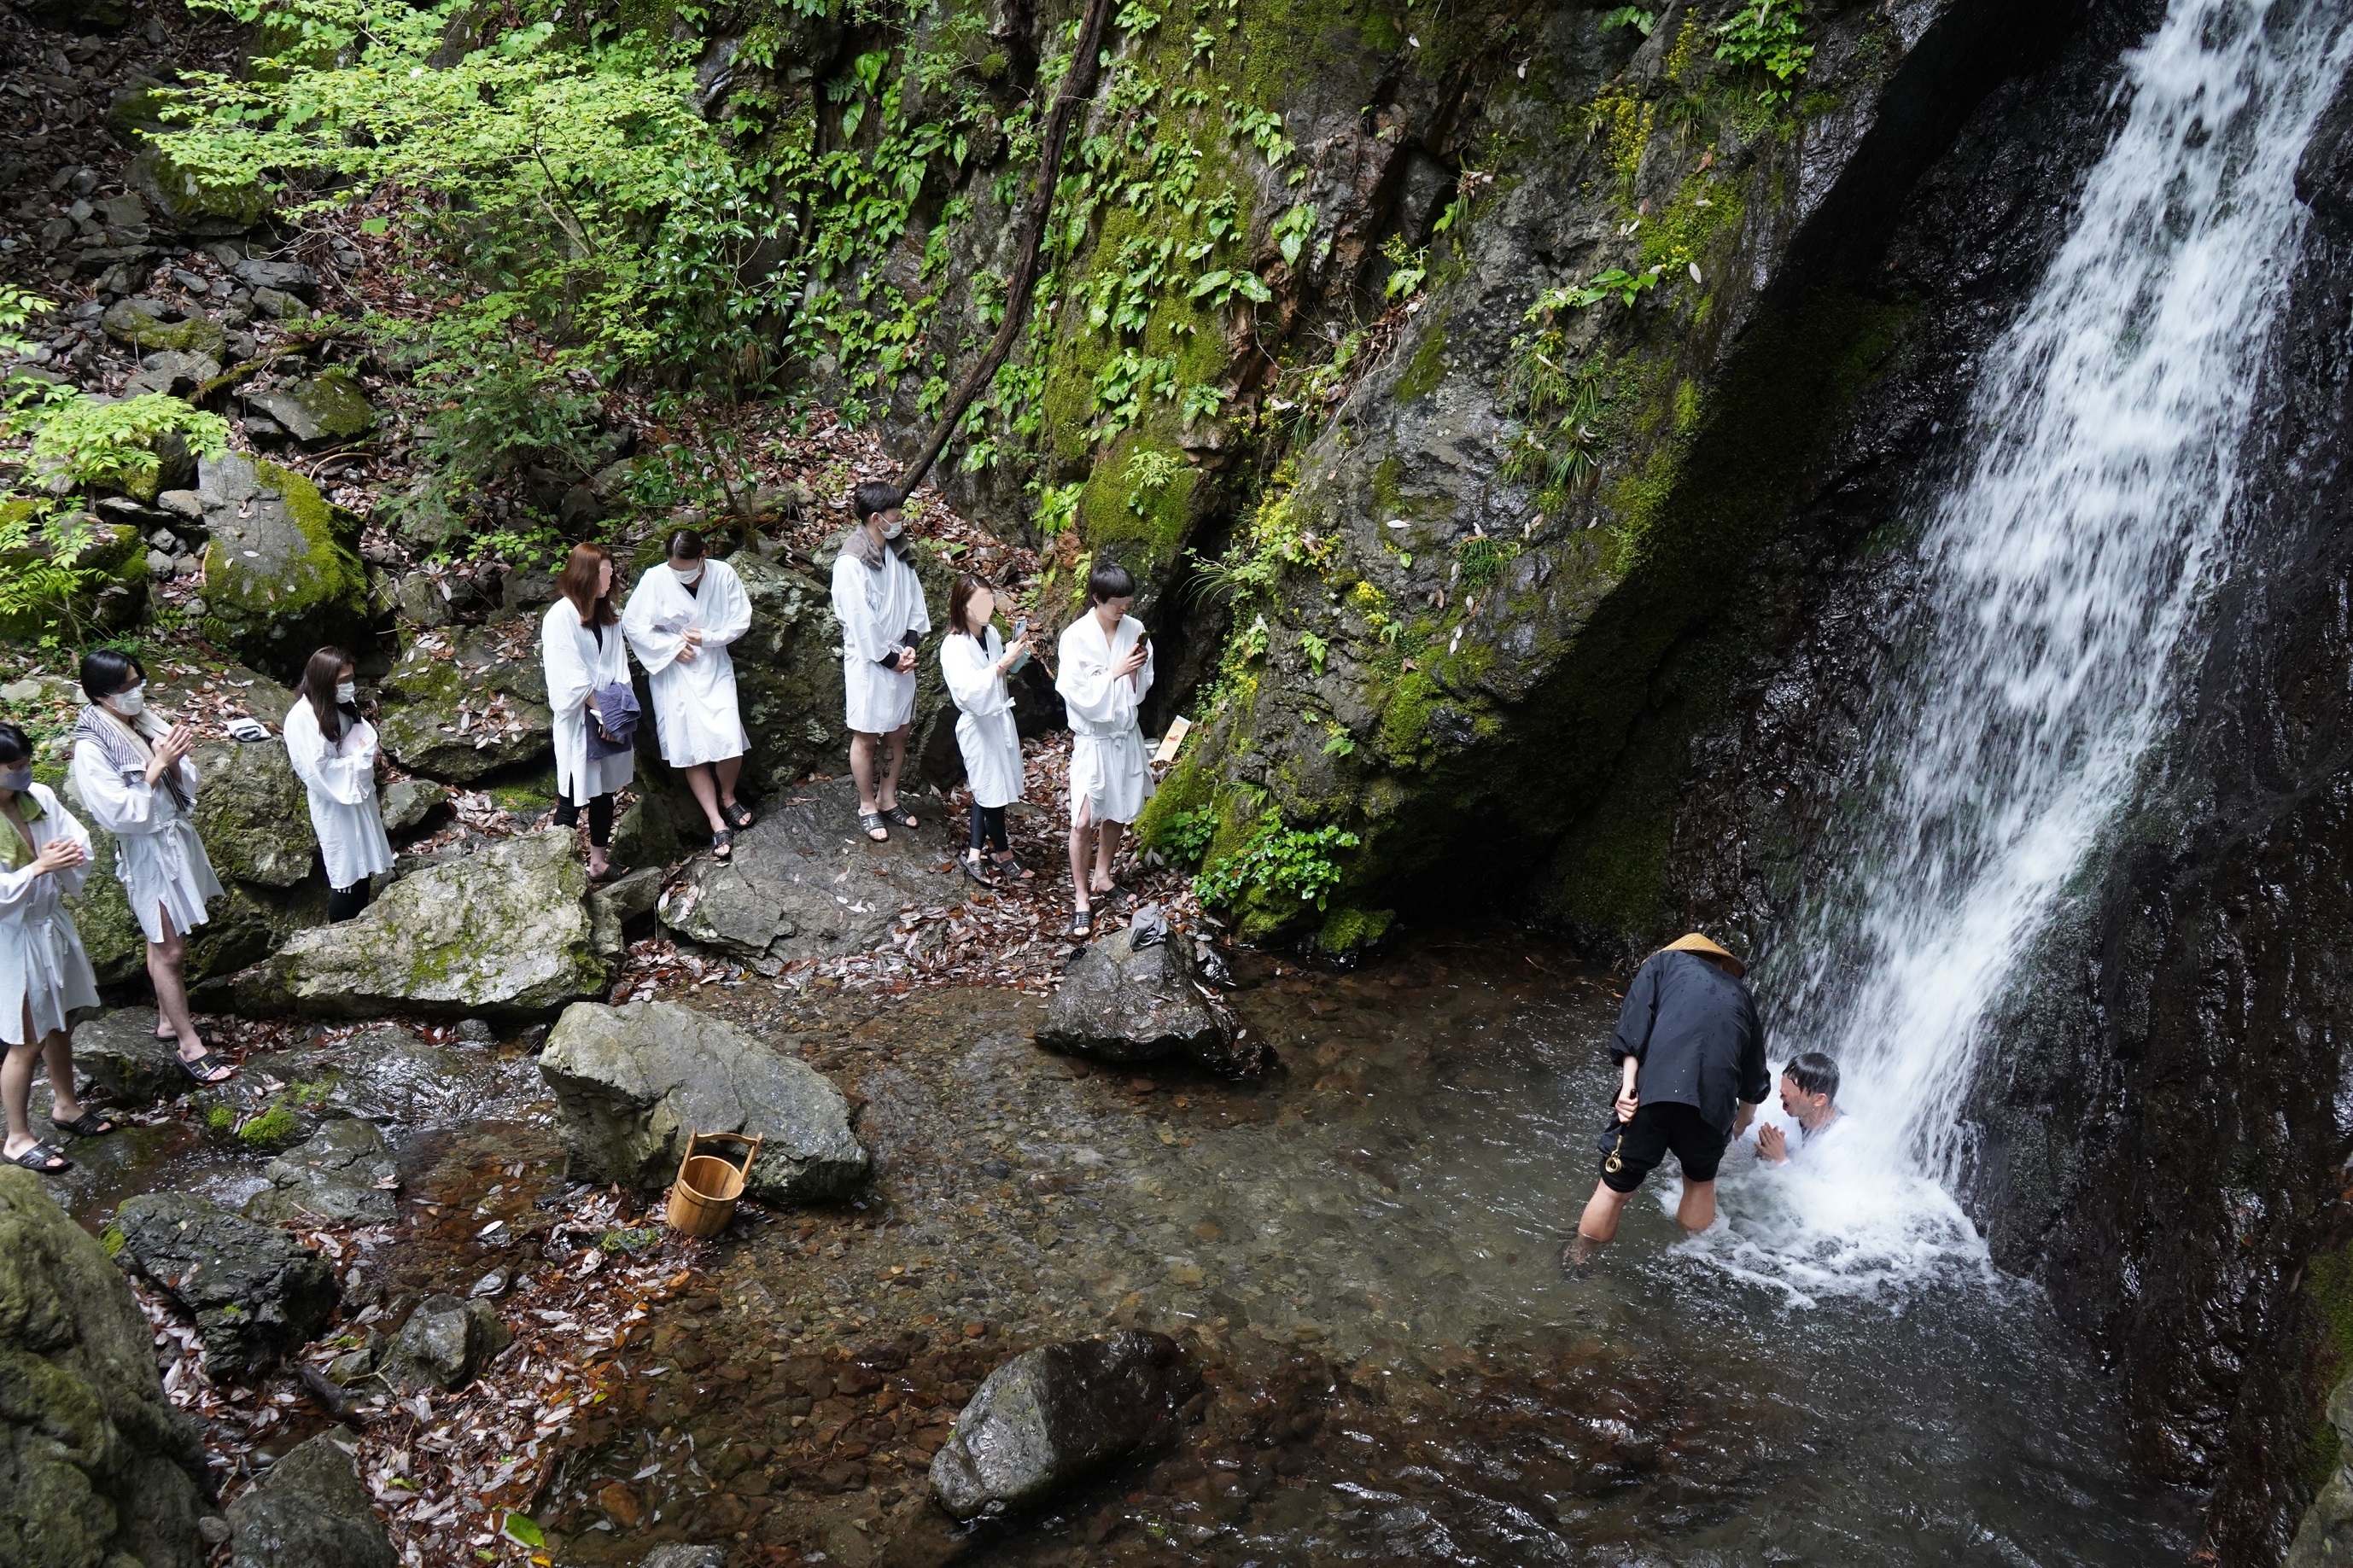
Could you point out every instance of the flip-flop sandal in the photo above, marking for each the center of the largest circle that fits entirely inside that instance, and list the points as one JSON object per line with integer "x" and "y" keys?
{"x": 901, "y": 816}
{"x": 1010, "y": 868}
{"x": 89, "y": 1124}
{"x": 42, "y": 1158}
{"x": 737, "y": 817}
{"x": 1083, "y": 924}
{"x": 722, "y": 846}
{"x": 870, "y": 824}
{"x": 201, "y": 1068}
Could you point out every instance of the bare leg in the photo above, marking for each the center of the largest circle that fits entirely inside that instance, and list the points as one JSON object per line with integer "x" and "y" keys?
{"x": 1599, "y": 1225}
{"x": 894, "y": 754}
{"x": 163, "y": 961}
{"x": 1106, "y": 851}
{"x": 727, "y": 771}
{"x": 57, "y": 1055}
{"x": 15, "y": 1088}
{"x": 1698, "y": 1211}
{"x": 861, "y": 769}
{"x": 1081, "y": 837}
{"x": 706, "y": 796}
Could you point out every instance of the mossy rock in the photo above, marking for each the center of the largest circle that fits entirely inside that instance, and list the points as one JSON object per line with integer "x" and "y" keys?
{"x": 281, "y": 576}
{"x": 145, "y": 328}
{"x": 328, "y": 407}
{"x": 194, "y": 206}
{"x": 254, "y": 814}
{"x": 1348, "y": 931}
{"x": 458, "y": 707}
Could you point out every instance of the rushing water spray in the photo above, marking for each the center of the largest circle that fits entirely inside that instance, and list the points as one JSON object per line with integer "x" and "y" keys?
{"x": 2061, "y": 573}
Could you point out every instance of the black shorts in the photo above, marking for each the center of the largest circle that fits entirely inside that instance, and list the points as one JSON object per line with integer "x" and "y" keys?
{"x": 1655, "y": 1129}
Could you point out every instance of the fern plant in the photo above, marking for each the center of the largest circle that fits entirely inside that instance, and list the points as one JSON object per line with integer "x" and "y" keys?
{"x": 111, "y": 445}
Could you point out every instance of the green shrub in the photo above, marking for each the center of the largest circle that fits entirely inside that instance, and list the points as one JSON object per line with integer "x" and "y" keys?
{"x": 1278, "y": 861}
{"x": 111, "y": 445}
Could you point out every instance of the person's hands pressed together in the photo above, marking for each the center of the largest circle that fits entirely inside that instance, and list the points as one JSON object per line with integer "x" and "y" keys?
{"x": 58, "y": 855}
{"x": 906, "y": 661}
{"x": 1772, "y": 1143}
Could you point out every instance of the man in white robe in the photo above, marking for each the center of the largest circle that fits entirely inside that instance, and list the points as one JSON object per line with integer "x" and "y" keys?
{"x": 878, "y": 601}
{"x": 679, "y": 620}
{"x": 1106, "y": 669}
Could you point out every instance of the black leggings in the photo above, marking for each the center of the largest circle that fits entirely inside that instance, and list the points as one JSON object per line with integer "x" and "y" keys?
{"x": 600, "y": 818}
{"x": 342, "y": 903}
{"x": 988, "y": 827}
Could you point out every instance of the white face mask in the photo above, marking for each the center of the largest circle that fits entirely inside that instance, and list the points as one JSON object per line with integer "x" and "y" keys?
{"x": 347, "y": 692}
{"x": 131, "y": 703}
{"x": 686, "y": 578}
{"x": 893, "y": 527}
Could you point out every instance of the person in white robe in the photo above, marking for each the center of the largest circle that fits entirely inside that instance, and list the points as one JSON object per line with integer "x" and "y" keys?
{"x": 333, "y": 752}
{"x": 132, "y": 775}
{"x": 1106, "y": 669}
{"x": 878, "y": 601}
{"x": 585, "y": 653}
{"x": 680, "y": 620}
{"x": 975, "y": 662}
{"x": 45, "y": 974}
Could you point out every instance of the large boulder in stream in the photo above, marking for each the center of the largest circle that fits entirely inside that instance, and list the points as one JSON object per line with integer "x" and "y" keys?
{"x": 281, "y": 572}
{"x": 444, "y": 1343}
{"x": 500, "y": 934}
{"x": 119, "y": 1052}
{"x": 255, "y": 1292}
{"x": 309, "y": 1511}
{"x": 343, "y": 1174}
{"x": 804, "y": 883}
{"x": 632, "y": 1083}
{"x": 1051, "y": 1415}
{"x": 1123, "y": 1003}
{"x": 465, "y": 702}
{"x": 96, "y": 1467}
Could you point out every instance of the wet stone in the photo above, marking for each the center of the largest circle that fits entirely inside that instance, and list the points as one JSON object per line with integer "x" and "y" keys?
{"x": 255, "y": 1292}
{"x": 1122, "y": 1003}
{"x": 343, "y": 1175}
{"x": 309, "y": 1511}
{"x": 444, "y": 1343}
{"x": 119, "y": 1052}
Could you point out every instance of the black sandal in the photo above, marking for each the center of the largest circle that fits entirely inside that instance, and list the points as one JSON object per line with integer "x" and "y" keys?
{"x": 201, "y": 1065}
{"x": 975, "y": 870}
{"x": 737, "y": 817}
{"x": 901, "y": 814}
{"x": 723, "y": 846}
{"x": 871, "y": 821}
{"x": 42, "y": 1158}
{"x": 1083, "y": 924}
{"x": 89, "y": 1124}
{"x": 1007, "y": 865}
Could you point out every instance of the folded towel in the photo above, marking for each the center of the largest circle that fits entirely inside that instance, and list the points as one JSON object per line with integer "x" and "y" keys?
{"x": 615, "y": 729}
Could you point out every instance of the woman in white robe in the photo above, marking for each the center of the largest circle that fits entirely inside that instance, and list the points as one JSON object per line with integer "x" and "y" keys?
{"x": 45, "y": 974}
{"x": 680, "y": 620}
{"x": 339, "y": 774}
{"x": 132, "y": 773}
{"x": 1106, "y": 669}
{"x": 585, "y": 651}
{"x": 975, "y": 662}
{"x": 878, "y": 601}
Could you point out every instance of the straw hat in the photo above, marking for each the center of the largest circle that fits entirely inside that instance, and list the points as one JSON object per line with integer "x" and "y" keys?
{"x": 1694, "y": 942}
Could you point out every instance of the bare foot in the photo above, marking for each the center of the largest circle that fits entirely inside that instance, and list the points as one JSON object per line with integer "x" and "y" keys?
{"x": 1098, "y": 884}
{"x": 1581, "y": 1250}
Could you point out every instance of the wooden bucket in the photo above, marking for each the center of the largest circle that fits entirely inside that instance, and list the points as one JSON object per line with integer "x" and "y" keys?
{"x": 703, "y": 1199}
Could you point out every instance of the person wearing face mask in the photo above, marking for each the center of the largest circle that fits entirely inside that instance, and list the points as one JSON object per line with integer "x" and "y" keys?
{"x": 878, "y": 601}
{"x": 975, "y": 661}
{"x": 680, "y": 620}
{"x": 587, "y": 664}
{"x": 45, "y": 975}
{"x": 333, "y": 752}
{"x": 1106, "y": 661}
{"x": 133, "y": 773}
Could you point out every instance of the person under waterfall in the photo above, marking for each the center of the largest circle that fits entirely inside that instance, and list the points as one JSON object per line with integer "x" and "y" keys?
{"x": 878, "y": 601}
{"x": 1809, "y": 1089}
{"x": 1106, "y": 669}
{"x": 680, "y": 620}
{"x": 1690, "y": 1050}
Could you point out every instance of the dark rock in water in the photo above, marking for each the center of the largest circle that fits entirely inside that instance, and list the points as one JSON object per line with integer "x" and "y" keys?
{"x": 98, "y": 1467}
{"x": 679, "y": 1555}
{"x": 406, "y": 803}
{"x": 503, "y": 933}
{"x": 254, "y": 1291}
{"x": 386, "y": 1075}
{"x": 2324, "y": 1539}
{"x": 456, "y": 707}
{"x": 444, "y": 1343}
{"x": 338, "y": 1177}
{"x": 281, "y": 572}
{"x": 309, "y": 1511}
{"x": 804, "y": 883}
{"x": 1050, "y": 1416}
{"x": 633, "y": 1082}
{"x": 1121, "y": 1004}
{"x": 122, "y": 1056}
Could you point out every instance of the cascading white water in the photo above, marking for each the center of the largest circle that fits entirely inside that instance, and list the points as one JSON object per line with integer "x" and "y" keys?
{"x": 2061, "y": 576}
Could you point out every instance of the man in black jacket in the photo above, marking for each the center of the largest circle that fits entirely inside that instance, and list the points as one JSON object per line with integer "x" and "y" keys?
{"x": 1691, "y": 1053}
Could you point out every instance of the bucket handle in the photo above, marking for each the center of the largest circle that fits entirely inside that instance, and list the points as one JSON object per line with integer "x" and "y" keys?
{"x": 751, "y": 1145}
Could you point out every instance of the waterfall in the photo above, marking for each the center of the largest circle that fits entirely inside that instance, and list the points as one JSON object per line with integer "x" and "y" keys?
{"x": 2062, "y": 575}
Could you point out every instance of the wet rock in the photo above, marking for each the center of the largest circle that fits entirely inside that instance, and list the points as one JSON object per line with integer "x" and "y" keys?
{"x": 386, "y": 1075}
{"x": 408, "y": 802}
{"x": 342, "y": 1175}
{"x": 328, "y": 407}
{"x": 281, "y": 576}
{"x": 1119, "y": 1003}
{"x": 444, "y": 1343}
{"x": 613, "y": 905}
{"x": 100, "y": 1467}
{"x": 1051, "y": 1415}
{"x": 631, "y": 1084}
{"x": 503, "y": 933}
{"x": 119, "y": 1052}
{"x": 679, "y": 1555}
{"x": 308, "y": 1511}
{"x": 353, "y": 1366}
{"x": 804, "y": 883}
{"x": 458, "y": 707}
{"x": 253, "y": 812}
{"x": 255, "y": 1292}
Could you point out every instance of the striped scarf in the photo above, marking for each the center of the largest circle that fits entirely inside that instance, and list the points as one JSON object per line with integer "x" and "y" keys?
{"x": 125, "y": 748}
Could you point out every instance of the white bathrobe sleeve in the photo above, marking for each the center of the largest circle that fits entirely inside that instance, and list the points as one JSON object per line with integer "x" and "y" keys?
{"x": 123, "y": 809}
{"x": 570, "y": 681}
{"x": 971, "y": 675}
{"x": 1093, "y": 694}
{"x": 649, "y": 603}
{"x": 725, "y": 609}
{"x": 863, "y": 635}
{"x": 23, "y": 885}
{"x": 346, "y": 774}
